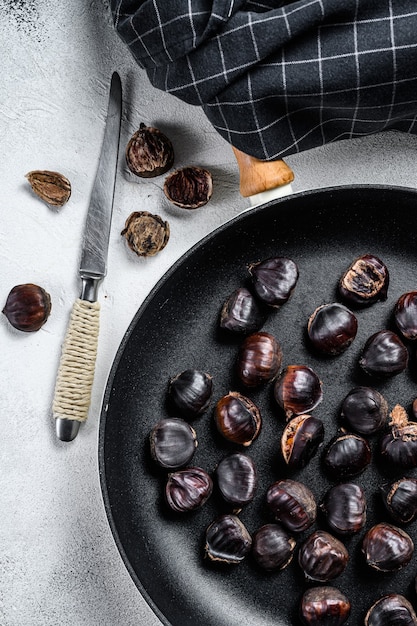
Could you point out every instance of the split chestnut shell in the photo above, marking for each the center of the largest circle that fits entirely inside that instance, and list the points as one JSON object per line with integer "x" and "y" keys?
{"x": 300, "y": 440}
{"x": 227, "y": 540}
{"x": 149, "y": 152}
{"x": 366, "y": 281}
{"x": 391, "y": 610}
{"x": 188, "y": 489}
{"x": 274, "y": 279}
{"x": 324, "y": 606}
{"x": 259, "y": 359}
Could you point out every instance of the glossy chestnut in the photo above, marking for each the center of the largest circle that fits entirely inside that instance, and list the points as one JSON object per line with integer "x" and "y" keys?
{"x": 241, "y": 312}
{"x": 400, "y": 500}
{"x": 292, "y": 504}
{"x": 227, "y": 540}
{"x": 346, "y": 456}
{"x": 384, "y": 355}
{"x": 188, "y": 489}
{"x": 274, "y": 279}
{"x": 324, "y": 606}
{"x": 398, "y": 447}
{"x": 298, "y": 390}
{"x": 300, "y": 440}
{"x": 387, "y": 548}
{"x": 172, "y": 443}
{"x": 237, "y": 418}
{"x": 191, "y": 392}
{"x": 344, "y": 506}
{"x": 322, "y": 557}
{"x": 391, "y": 610}
{"x": 237, "y": 479}
{"x": 259, "y": 359}
{"x": 365, "y": 410}
{"x": 405, "y": 315}
{"x": 272, "y": 547}
{"x": 365, "y": 281}
{"x": 332, "y": 328}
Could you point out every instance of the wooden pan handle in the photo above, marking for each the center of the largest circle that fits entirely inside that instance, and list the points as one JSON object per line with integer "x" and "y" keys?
{"x": 257, "y": 176}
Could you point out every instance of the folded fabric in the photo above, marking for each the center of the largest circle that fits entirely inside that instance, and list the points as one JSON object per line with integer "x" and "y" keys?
{"x": 274, "y": 77}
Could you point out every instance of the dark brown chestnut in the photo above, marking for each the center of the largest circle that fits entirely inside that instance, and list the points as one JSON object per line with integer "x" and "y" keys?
{"x": 366, "y": 281}
{"x": 259, "y": 359}
{"x": 241, "y": 312}
{"x": 173, "y": 442}
{"x": 344, "y": 507}
{"x": 365, "y": 410}
{"x": 300, "y": 440}
{"x": 398, "y": 447}
{"x": 191, "y": 392}
{"x": 227, "y": 540}
{"x": 324, "y": 606}
{"x": 27, "y": 307}
{"x": 405, "y": 315}
{"x": 391, "y": 610}
{"x": 237, "y": 479}
{"x": 384, "y": 355}
{"x": 188, "y": 489}
{"x": 272, "y": 547}
{"x": 322, "y": 557}
{"x": 189, "y": 187}
{"x": 238, "y": 418}
{"x": 387, "y": 548}
{"x": 292, "y": 504}
{"x": 298, "y": 390}
{"x": 149, "y": 152}
{"x": 274, "y": 279}
{"x": 332, "y": 328}
{"x": 346, "y": 456}
{"x": 400, "y": 500}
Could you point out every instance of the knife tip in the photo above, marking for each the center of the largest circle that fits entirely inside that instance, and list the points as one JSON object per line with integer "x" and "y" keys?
{"x": 67, "y": 430}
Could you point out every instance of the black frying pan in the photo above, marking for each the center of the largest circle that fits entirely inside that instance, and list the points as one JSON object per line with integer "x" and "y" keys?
{"x": 177, "y": 328}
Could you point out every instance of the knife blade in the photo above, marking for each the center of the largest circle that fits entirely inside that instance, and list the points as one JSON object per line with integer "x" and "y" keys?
{"x": 75, "y": 376}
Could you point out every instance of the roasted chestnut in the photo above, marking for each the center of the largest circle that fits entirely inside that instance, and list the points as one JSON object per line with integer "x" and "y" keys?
{"x": 188, "y": 489}
{"x": 324, "y": 606}
{"x": 344, "y": 506}
{"x": 398, "y": 447}
{"x": 322, "y": 557}
{"x": 189, "y": 187}
{"x": 384, "y": 355}
{"x": 227, "y": 540}
{"x": 272, "y": 547}
{"x": 391, "y": 610}
{"x": 238, "y": 418}
{"x": 191, "y": 392}
{"x": 173, "y": 442}
{"x": 149, "y": 152}
{"x": 292, "y": 504}
{"x": 274, "y": 279}
{"x": 241, "y": 312}
{"x": 366, "y": 281}
{"x": 259, "y": 359}
{"x": 332, "y": 328}
{"x": 27, "y": 307}
{"x": 405, "y": 315}
{"x": 300, "y": 440}
{"x": 298, "y": 390}
{"x": 237, "y": 479}
{"x": 365, "y": 410}
{"x": 346, "y": 456}
{"x": 400, "y": 500}
{"x": 387, "y": 548}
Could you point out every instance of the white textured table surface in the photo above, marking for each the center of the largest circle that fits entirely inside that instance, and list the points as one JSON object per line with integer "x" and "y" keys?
{"x": 58, "y": 561}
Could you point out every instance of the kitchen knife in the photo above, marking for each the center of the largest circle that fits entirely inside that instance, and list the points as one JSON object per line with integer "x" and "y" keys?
{"x": 76, "y": 369}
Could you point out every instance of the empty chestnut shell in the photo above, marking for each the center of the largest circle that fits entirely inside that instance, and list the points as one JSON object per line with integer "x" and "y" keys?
{"x": 272, "y": 547}
{"x": 324, "y": 606}
{"x": 400, "y": 500}
{"x": 300, "y": 440}
{"x": 189, "y": 187}
{"x": 384, "y": 355}
{"x": 346, "y": 456}
{"x": 387, "y": 548}
{"x": 237, "y": 418}
{"x": 259, "y": 359}
{"x": 391, "y": 610}
{"x": 241, "y": 312}
{"x": 227, "y": 540}
{"x": 405, "y": 315}
{"x": 366, "y": 281}
{"x": 172, "y": 442}
{"x": 344, "y": 506}
{"x": 188, "y": 489}
{"x": 298, "y": 390}
{"x": 27, "y": 307}
{"x": 191, "y": 392}
{"x": 332, "y": 328}
{"x": 365, "y": 410}
{"x": 292, "y": 504}
{"x": 237, "y": 479}
{"x": 398, "y": 447}
{"x": 274, "y": 279}
{"x": 322, "y": 557}
{"x": 149, "y": 152}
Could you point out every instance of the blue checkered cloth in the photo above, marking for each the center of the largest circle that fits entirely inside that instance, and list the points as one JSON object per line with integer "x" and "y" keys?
{"x": 274, "y": 77}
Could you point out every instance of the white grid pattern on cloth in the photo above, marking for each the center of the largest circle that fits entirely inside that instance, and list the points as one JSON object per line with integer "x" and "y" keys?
{"x": 276, "y": 77}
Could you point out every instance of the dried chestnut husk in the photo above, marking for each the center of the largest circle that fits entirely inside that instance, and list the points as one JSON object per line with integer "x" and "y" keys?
{"x": 322, "y": 557}
{"x": 366, "y": 281}
{"x": 146, "y": 234}
{"x": 259, "y": 359}
{"x": 189, "y": 187}
{"x": 237, "y": 479}
{"x": 227, "y": 540}
{"x": 237, "y": 418}
{"x": 324, "y": 606}
{"x": 384, "y": 355}
{"x": 27, "y": 307}
{"x": 191, "y": 392}
{"x": 398, "y": 447}
{"x": 274, "y": 279}
{"x": 387, "y": 548}
{"x": 405, "y": 315}
{"x": 346, "y": 456}
{"x": 344, "y": 506}
{"x": 400, "y": 500}
{"x": 391, "y": 610}
{"x": 365, "y": 410}
{"x": 149, "y": 152}
{"x": 272, "y": 547}
{"x": 332, "y": 328}
{"x": 300, "y": 440}
{"x": 241, "y": 313}
{"x": 52, "y": 187}
{"x": 173, "y": 442}
{"x": 298, "y": 390}
{"x": 188, "y": 489}
{"x": 292, "y": 504}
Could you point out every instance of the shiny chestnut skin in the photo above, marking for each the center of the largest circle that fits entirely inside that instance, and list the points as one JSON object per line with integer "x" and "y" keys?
{"x": 227, "y": 540}
{"x": 237, "y": 418}
{"x": 398, "y": 447}
{"x": 384, "y": 355}
{"x": 298, "y": 390}
{"x": 346, "y": 456}
{"x": 300, "y": 440}
{"x": 400, "y": 500}
{"x": 27, "y": 307}
{"x": 322, "y": 557}
{"x": 241, "y": 313}
{"x": 365, "y": 281}
{"x": 344, "y": 507}
{"x": 191, "y": 392}
{"x": 259, "y": 359}
{"x": 405, "y": 315}
{"x": 274, "y": 280}
{"x": 173, "y": 443}
{"x": 188, "y": 489}
{"x": 272, "y": 547}
{"x": 237, "y": 479}
{"x": 391, "y": 610}
{"x": 365, "y": 410}
{"x": 332, "y": 328}
{"x": 324, "y": 606}
{"x": 387, "y": 548}
{"x": 292, "y": 504}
